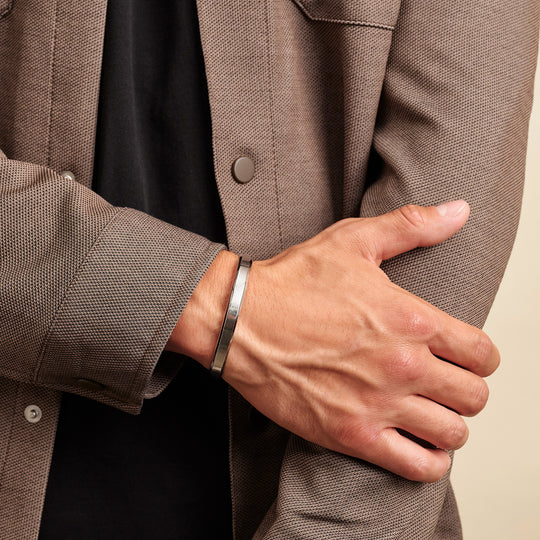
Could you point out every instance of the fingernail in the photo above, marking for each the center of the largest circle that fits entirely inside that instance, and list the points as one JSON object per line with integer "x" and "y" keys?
{"x": 452, "y": 208}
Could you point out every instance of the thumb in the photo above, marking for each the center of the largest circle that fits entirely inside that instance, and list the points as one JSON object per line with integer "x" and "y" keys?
{"x": 413, "y": 226}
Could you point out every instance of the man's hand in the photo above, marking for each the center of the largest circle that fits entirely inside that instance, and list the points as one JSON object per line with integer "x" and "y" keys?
{"x": 330, "y": 349}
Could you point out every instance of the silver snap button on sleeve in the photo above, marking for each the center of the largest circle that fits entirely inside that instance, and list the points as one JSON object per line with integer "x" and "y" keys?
{"x": 68, "y": 175}
{"x": 33, "y": 414}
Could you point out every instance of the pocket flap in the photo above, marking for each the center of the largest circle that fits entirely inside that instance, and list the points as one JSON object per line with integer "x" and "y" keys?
{"x": 381, "y": 13}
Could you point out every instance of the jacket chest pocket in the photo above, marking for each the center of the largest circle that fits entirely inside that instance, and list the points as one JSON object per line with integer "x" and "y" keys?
{"x": 378, "y": 13}
{"x": 5, "y": 7}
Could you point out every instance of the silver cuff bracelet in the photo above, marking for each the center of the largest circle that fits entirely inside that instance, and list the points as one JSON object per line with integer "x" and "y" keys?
{"x": 231, "y": 317}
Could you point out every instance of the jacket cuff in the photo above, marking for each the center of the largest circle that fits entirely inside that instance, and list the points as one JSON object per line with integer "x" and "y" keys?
{"x": 120, "y": 309}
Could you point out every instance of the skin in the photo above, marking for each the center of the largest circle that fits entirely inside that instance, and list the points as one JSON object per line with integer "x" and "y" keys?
{"x": 330, "y": 349}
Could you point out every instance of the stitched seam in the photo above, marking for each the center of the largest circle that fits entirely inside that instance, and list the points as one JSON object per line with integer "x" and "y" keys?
{"x": 10, "y": 438}
{"x": 272, "y": 120}
{"x": 7, "y": 9}
{"x": 356, "y": 23}
{"x": 232, "y": 476}
{"x": 51, "y": 85}
{"x": 78, "y": 272}
{"x": 369, "y": 24}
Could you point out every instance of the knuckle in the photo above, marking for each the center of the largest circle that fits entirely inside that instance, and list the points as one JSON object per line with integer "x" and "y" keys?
{"x": 352, "y": 436}
{"x": 456, "y": 435}
{"x": 405, "y": 365}
{"x": 426, "y": 469}
{"x": 419, "y": 325}
{"x": 478, "y": 398}
{"x": 419, "y": 469}
{"x": 411, "y": 216}
{"x": 485, "y": 360}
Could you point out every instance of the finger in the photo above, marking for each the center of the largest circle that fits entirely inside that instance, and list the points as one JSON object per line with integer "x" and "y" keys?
{"x": 410, "y": 227}
{"x": 433, "y": 423}
{"x": 464, "y": 345}
{"x": 454, "y": 387}
{"x": 406, "y": 458}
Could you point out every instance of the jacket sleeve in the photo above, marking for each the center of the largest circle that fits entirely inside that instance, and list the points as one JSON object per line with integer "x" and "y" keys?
{"x": 89, "y": 292}
{"x": 452, "y": 123}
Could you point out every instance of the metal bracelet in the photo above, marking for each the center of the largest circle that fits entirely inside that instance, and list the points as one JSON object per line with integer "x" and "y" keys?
{"x": 231, "y": 317}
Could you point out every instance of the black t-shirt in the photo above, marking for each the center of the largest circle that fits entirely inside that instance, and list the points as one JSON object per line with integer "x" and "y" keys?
{"x": 164, "y": 473}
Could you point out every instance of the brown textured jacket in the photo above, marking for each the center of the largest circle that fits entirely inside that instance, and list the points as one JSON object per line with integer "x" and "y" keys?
{"x": 347, "y": 107}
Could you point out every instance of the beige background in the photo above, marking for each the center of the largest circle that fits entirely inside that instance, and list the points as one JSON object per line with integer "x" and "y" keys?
{"x": 497, "y": 474}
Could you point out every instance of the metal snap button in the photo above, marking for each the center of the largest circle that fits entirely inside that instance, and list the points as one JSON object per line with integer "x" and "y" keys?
{"x": 243, "y": 170}
{"x": 33, "y": 414}
{"x": 68, "y": 175}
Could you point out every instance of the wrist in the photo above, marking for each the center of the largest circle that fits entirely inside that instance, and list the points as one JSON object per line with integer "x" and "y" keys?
{"x": 196, "y": 332}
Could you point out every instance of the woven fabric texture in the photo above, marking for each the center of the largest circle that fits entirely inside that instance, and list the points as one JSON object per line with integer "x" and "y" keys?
{"x": 347, "y": 109}
{"x": 77, "y": 273}
{"x": 89, "y": 291}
